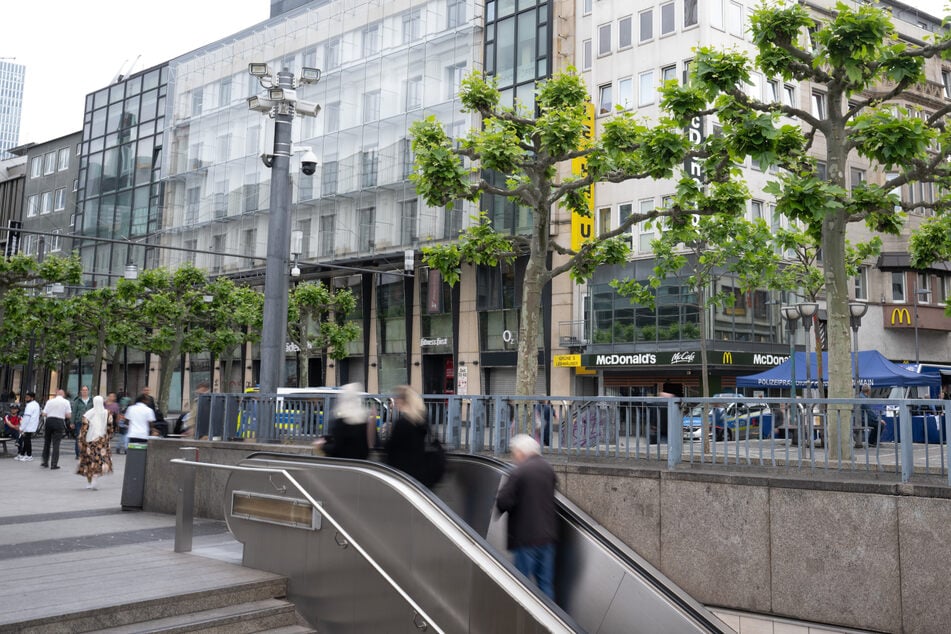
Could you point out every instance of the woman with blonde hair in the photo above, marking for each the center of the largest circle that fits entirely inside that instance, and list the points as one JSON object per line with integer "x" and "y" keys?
{"x": 350, "y": 432}
{"x": 406, "y": 443}
{"x": 94, "y": 456}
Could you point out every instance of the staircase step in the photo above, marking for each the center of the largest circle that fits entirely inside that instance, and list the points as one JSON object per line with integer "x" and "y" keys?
{"x": 254, "y": 616}
{"x": 136, "y": 612}
{"x": 290, "y": 629}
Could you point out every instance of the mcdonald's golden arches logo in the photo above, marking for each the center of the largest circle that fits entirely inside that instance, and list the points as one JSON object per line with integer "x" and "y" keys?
{"x": 727, "y": 358}
{"x": 901, "y": 316}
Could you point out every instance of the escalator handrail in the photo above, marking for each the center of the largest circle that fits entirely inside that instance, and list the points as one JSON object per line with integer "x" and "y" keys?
{"x": 621, "y": 551}
{"x": 326, "y": 515}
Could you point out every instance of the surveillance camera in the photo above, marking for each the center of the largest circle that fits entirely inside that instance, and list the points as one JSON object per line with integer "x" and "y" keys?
{"x": 308, "y": 163}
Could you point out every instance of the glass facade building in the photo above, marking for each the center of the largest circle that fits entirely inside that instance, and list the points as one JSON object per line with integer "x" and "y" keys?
{"x": 12, "y": 77}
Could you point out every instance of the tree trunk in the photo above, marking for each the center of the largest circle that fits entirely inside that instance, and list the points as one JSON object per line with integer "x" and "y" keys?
{"x": 167, "y": 362}
{"x": 526, "y": 374}
{"x": 98, "y": 354}
{"x": 839, "y": 419}
{"x": 704, "y": 373}
{"x": 113, "y": 374}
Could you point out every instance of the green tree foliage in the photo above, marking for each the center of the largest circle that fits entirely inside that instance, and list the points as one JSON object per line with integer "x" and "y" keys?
{"x": 532, "y": 153}
{"x": 235, "y": 317}
{"x": 317, "y": 320}
{"x": 865, "y": 74}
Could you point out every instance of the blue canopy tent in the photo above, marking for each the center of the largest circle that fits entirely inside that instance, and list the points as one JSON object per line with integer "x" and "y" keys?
{"x": 874, "y": 370}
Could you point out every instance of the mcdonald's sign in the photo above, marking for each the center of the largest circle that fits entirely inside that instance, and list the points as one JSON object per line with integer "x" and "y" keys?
{"x": 727, "y": 358}
{"x": 901, "y": 317}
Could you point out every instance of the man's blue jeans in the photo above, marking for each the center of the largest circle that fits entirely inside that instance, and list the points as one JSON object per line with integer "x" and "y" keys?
{"x": 538, "y": 562}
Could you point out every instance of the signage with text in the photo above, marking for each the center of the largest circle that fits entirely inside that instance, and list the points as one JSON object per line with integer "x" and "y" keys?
{"x": 686, "y": 357}
{"x": 582, "y": 227}
{"x": 567, "y": 360}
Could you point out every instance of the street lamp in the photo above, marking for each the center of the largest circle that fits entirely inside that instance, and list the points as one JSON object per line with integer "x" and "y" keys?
{"x": 279, "y": 101}
{"x": 926, "y": 294}
{"x": 857, "y": 310}
{"x": 791, "y": 315}
{"x": 807, "y": 310}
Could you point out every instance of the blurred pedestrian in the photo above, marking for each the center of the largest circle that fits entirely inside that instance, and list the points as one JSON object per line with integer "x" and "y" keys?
{"x": 871, "y": 418}
{"x": 11, "y": 425}
{"x": 405, "y": 445}
{"x": 95, "y": 458}
{"x": 79, "y": 406}
{"x": 528, "y": 496}
{"x": 140, "y": 418}
{"x": 28, "y": 426}
{"x": 56, "y": 412}
{"x": 350, "y": 432}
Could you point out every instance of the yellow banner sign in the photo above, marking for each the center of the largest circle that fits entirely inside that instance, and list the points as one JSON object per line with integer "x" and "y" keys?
{"x": 567, "y": 360}
{"x": 582, "y": 227}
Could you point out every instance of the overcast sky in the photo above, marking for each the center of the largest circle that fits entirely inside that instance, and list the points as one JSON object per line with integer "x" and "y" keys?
{"x": 72, "y": 48}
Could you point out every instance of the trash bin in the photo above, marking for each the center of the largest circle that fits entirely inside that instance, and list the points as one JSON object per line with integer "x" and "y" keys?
{"x": 133, "y": 481}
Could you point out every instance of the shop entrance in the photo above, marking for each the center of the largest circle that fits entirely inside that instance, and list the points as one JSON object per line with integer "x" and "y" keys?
{"x": 439, "y": 374}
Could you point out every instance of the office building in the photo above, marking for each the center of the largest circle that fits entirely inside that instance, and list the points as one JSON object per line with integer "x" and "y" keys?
{"x": 11, "y": 104}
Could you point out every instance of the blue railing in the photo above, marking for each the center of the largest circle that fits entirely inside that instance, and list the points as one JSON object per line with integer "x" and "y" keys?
{"x": 743, "y": 432}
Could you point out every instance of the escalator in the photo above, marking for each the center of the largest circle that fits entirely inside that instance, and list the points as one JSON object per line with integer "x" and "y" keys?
{"x": 406, "y": 560}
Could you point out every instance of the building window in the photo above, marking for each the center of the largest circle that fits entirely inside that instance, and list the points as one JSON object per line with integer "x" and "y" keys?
{"x": 605, "y": 99}
{"x": 586, "y": 8}
{"x": 604, "y": 220}
{"x": 586, "y": 55}
{"x": 414, "y": 93}
{"x": 455, "y": 13}
{"x": 32, "y": 206}
{"x": 646, "y": 21}
{"x": 326, "y": 234}
{"x": 734, "y": 19}
{"x": 49, "y": 163}
{"x": 452, "y": 223}
{"x": 667, "y": 20}
{"x": 36, "y": 167}
{"x": 366, "y": 231}
{"x": 690, "y": 13}
{"x": 860, "y": 282}
{"x": 63, "y": 159}
{"x": 46, "y": 202}
{"x": 604, "y": 40}
{"x": 625, "y": 34}
{"x": 946, "y": 80}
{"x": 819, "y": 104}
{"x": 371, "y": 106}
{"x": 454, "y": 76}
{"x": 412, "y": 26}
{"x": 898, "y": 286}
{"x": 668, "y": 73}
{"x": 368, "y": 167}
{"x": 856, "y": 177}
{"x": 789, "y": 95}
{"x": 371, "y": 40}
{"x": 624, "y": 212}
{"x": 197, "y": 101}
{"x": 59, "y": 202}
{"x": 224, "y": 92}
{"x": 646, "y": 90}
{"x": 756, "y": 209}
{"x": 331, "y": 54}
{"x": 331, "y": 114}
{"x": 250, "y": 193}
{"x": 249, "y": 242}
{"x": 409, "y": 216}
{"x": 924, "y": 284}
{"x": 328, "y": 178}
{"x": 625, "y": 93}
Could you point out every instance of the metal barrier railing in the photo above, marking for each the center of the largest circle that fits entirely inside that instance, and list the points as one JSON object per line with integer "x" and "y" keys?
{"x": 756, "y": 432}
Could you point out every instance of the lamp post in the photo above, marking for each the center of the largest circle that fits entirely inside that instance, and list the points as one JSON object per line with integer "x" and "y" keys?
{"x": 857, "y": 310}
{"x": 280, "y": 102}
{"x": 807, "y": 310}
{"x": 925, "y": 293}
{"x": 791, "y": 315}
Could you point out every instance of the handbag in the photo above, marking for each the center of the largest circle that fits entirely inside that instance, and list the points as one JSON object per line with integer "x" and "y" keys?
{"x": 434, "y": 461}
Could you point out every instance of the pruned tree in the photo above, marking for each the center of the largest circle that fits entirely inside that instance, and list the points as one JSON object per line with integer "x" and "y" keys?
{"x": 863, "y": 75}
{"x": 317, "y": 320}
{"x": 236, "y": 318}
{"x": 525, "y": 159}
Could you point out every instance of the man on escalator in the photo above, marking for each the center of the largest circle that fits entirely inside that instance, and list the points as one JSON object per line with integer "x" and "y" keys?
{"x": 528, "y": 496}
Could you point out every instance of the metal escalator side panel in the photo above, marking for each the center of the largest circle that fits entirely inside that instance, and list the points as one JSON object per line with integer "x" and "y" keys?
{"x": 603, "y": 584}
{"x": 443, "y": 566}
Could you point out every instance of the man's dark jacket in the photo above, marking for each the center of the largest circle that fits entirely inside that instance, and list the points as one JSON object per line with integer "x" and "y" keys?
{"x": 529, "y": 498}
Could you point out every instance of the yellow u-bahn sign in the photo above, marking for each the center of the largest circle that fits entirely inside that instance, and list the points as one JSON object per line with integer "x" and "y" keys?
{"x": 582, "y": 227}
{"x": 901, "y": 317}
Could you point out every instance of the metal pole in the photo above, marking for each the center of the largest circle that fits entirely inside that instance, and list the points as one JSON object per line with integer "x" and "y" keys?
{"x": 793, "y": 410}
{"x": 274, "y": 331}
{"x": 807, "y": 422}
{"x": 917, "y": 354}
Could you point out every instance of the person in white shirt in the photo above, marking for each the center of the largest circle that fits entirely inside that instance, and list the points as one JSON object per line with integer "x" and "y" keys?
{"x": 140, "y": 418}
{"x": 28, "y": 426}
{"x": 56, "y": 411}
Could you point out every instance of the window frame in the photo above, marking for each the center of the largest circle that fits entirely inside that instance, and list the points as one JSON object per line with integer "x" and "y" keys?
{"x": 605, "y": 34}
{"x": 606, "y": 89}
{"x": 621, "y": 30}
{"x": 641, "y": 102}
{"x": 673, "y": 18}
{"x": 641, "y": 25}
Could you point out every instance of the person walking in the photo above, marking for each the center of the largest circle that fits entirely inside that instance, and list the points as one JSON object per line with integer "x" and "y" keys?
{"x": 79, "y": 406}
{"x": 350, "y": 431}
{"x": 95, "y": 458}
{"x": 405, "y": 445}
{"x": 140, "y": 418}
{"x": 56, "y": 412}
{"x": 28, "y": 427}
{"x": 871, "y": 418}
{"x": 528, "y": 496}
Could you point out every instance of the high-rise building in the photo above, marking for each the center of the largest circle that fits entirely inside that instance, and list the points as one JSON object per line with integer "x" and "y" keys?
{"x": 11, "y": 105}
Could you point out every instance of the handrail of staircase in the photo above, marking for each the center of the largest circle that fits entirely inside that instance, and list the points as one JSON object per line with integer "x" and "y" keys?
{"x": 185, "y": 513}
